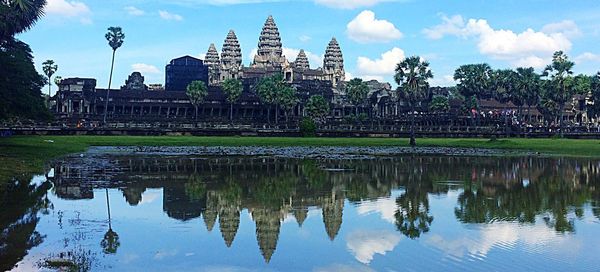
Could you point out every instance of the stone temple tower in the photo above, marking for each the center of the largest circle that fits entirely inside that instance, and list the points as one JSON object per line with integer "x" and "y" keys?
{"x": 231, "y": 57}
{"x": 333, "y": 64}
{"x": 270, "y": 53}
{"x": 213, "y": 62}
{"x": 302, "y": 61}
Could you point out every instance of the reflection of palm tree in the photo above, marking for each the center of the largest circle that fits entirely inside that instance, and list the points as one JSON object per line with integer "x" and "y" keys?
{"x": 412, "y": 216}
{"x": 110, "y": 243}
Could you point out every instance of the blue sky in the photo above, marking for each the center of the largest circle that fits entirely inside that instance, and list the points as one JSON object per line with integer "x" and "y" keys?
{"x": 373, "y": 34}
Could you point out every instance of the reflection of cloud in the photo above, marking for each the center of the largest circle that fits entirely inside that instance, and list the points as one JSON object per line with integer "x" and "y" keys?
{"x": 129, "y": 258}
{"x": 149, "y": 197}
{"x": 343, "y": 268}
{"x": 499, "y": 235}
{"x": 227, "y": 269}
{"x": 164, "y": 254}
{"x": 365, "y": 244}
{"x": 386, "y": 207}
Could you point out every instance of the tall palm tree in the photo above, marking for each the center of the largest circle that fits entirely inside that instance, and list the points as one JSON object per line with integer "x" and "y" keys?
{"x": 115, "y": 38}
{"x": 233, "y": 90}
{"x": 559, "y": 74}
{"x": 504, "y": 91}
{"x": 412, "y": 75}
{"x": 110, "y": 243}
{"x": 357, "y": 91}
{"x": 49, "y": 69}
{"x": 197, "y": 92}
{"x": 528, "y": 82}
{"x": 18, "y": 16}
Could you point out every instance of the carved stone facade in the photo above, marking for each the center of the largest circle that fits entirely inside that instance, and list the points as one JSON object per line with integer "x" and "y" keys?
{"x": 231, "y": 57}
{"x": 270, "y": 53}
{"x": 269, "y": 60}
{"x": 135, "y": 82}
{"x": 333, "y": 64}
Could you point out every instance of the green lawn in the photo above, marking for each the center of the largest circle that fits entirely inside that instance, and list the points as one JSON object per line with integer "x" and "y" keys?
{"x": 27, "y": 154}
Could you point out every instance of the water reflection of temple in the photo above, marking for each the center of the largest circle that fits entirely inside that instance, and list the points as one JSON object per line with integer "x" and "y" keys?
{"x": 271, "y": 189}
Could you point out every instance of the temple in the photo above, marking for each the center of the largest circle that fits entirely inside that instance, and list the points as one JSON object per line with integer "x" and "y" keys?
{"x": 269, "y": 60}
{"x": 78, "y": 98}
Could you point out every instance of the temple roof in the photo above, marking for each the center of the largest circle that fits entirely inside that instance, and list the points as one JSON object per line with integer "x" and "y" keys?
{"x": 212, "y": 56}
{"x": 333, "y": 56}
{"x": 231, "y": 54}
{"x": 302, "y": 61}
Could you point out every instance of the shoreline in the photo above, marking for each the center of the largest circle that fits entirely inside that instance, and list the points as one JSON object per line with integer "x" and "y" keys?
{"x": 23, "y": 155}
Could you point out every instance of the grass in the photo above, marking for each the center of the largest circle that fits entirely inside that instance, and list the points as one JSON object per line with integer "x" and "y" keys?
{"x": 28, "y": 154}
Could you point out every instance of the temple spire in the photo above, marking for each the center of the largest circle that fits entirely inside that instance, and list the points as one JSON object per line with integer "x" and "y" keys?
{"x": 231, "y": 56}
{"x": 302, "y": 61}
{"x": 333, "y": 63}
{"x": 270, "y": 51}
{"x": 213, "y": 61}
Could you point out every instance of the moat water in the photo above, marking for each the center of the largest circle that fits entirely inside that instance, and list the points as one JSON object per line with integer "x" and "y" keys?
{"x": 194, "y": 213}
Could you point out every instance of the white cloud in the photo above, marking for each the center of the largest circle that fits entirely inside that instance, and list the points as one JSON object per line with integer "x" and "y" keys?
{"x": 529, "y": 48}
{"x": 304, "y": 38}
{"x": 72, "y": 9}
{"x": 349, "y": 4}
{"x": 170, "y": 16}
{"x": 587, "y": 57}
{"x": 378, "y": 68}
{"x": 365, "y": 28}
{"x": 144, "y": 68}
{"x": 566, "y": 27}
{"x": 443, "y": 81}
{"x": 291, "y": 54}
{"x": 386, "y": 207}
{"x": 365, "y": 244}
{"x": 450, "y": 26}
{"x": 131, "y": 10}
{"x": 502, "y": 235}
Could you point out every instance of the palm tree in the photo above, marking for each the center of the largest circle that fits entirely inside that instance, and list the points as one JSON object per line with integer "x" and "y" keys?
{"x": 528, "y": 83}
{"x": 559, "y": 74}
{"x": 18, "y": 16}
{"x": 317, "y": 108}
{"x": 357, "y": 91}
{"x": 474, "y": 82}
{"x": 49, "y": 69}
{"x": 57, "y": 80}
{"x": 115, "y": 38}
{"x": 412, "y": 75}
{"x": 110, "y": 243}
{"x": 197, "y": 92}
{"x": 503, "y": 83}
{"x": 233, "y": 90}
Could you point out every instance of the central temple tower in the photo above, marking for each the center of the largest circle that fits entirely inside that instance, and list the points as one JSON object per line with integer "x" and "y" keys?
{"x": 270, "y": 52}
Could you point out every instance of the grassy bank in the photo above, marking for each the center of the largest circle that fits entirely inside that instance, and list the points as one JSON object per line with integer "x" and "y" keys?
{"x": 26, "y": 154}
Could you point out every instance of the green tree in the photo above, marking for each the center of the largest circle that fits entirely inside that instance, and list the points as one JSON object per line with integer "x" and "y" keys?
{"x": 561, "y": 84}
{"x": 49, "y": 69}
{"x": 317, "y": 108}
{"x": 594, "y": 110}
{"x": 17, "y": 16}
{"x": 274, "y": 91}
{"x": 528, "y": 83}
{"x": 20, "y": 83}
{"x": 197, "y": 92}
{"x": 474, "y": 80}
{"x": 115, "y": 38}
{"x": 503, "y": 84}
{"x": 57, "y": 80}
{"x": 357, "y": 91}
{"x": 439, "y": 104}
{"x": 233, "y": 90}
{"x": 286, "y": 99}
{"x": 412, "y": 75}
{"x": 110, "y": 243}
